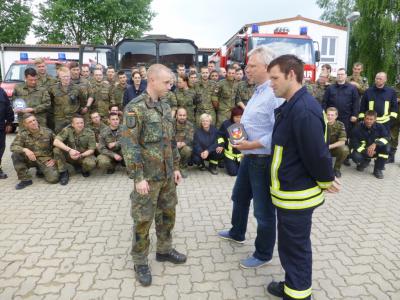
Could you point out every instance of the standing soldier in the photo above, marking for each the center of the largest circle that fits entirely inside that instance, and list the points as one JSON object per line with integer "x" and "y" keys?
{"x": 327, "y": 69}
{"x": 318, "y": 89}
{"x": 110, "y": 147}
{"x": 101, "y": 92}
{"x": 83, "y": 85}
{"x": 143, "y": 72}
{"x": 205, "y": 98}
{"x": 44, "y": 79}
{"x": 245, "y": 89}
{"x": 110, "y": 73}
{"x": 75, "y": 144}
{"x": 360, "y": 82}
{"x": 184, "y": 97}
{"x": 394, "y": 132}
{"x": 226, "y": 96}
{"x": 37, "y": 99}
{"x": 118, "y": 90}
{"x": 33, "y": 147}
{"x": 6, "y": 119}
{"x": 301, "y": 169}
{"x": 152, "y": 161}
{"x": 184, "y": 132}
{"x": 67, "y": 99}
{"x": 85, "y": 72}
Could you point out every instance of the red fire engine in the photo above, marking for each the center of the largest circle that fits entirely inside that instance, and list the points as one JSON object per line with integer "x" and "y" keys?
{"x": 281, "y": 42}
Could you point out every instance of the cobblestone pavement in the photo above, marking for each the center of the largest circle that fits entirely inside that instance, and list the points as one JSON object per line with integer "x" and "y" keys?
{"x": 73, "y": 242}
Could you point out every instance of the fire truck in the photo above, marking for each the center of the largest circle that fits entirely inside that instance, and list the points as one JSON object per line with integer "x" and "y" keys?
{"x": 282, "y": 42}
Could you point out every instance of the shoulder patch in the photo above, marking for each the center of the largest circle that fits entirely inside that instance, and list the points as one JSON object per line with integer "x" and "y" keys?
{"x": 131, "y": 119}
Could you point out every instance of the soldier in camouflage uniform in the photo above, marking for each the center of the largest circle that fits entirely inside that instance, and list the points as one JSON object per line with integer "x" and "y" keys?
{"x": 75, "y": 144}
{"x": 318, "y": 89}
{"x": 84, "y": 87}
{"x": 360, "y": 82}
{"x": 111, "y": 75}
{"x": 97, "y": 126}
{"x": 184, "y": 132}
{"x": 395, "y": 129}
{"x": 110, "y": 147}
{"x": 37, "y": 99}
{"x": 33, "y": 148}
{"x": 245, "y": 89}
{"x": 67, "y": 99}
{"x": 205, "y": 97}
{"x": 327, "y": 69}
{"x": 337, "y": 138}
{"x": 101, "y": 93}
{"x": 226, "y": 96}
{"x": 152, "y": 161}
{"x": 185, "y": 97}
{"x": 118, "y": 90}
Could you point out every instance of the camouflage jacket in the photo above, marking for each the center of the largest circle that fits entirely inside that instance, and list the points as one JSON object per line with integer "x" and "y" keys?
{"x": 184, "y": 98}
{"x": 83, "y": 85}
{"x": 336, "y": 132}
{"x": 37, "y": 98}
{"x": 361, "y": 81}
{"x": 107, "y": 136}
{"x": 184, "y": 133}
{"x": 101, "y": 93}
{"x": 82, "y": 142}
{"x": 225, "y": 91}
{"x": 148, "y": 141}
{"x": 171, "y": 100}
{"x": 205, "y": 95}
{"x": 40, "y": 143}
{"x": 46, "y": 81}
{"x": 318, "y": 91}
{"x": 66, "y": 101}
{"x": 97, "y": 130}
{"x": 244, "y": 92}
{"x": 117, "y": 94}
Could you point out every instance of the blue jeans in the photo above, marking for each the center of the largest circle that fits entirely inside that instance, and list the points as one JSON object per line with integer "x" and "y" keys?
{"x": 253, "y": 182}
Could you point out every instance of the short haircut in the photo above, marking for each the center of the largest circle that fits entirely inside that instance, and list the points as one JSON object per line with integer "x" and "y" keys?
{"x": 120, "y": 73}
{"x": 112, "y": 114}
{"x": 287, "y": 63}
{"x": 142, "y": 67}
{"x": 63, "y": 69}
{"x": 356, "y": 64}
{"x": 73, "y": 64}
{"x": 266, "y": 54}
{"x": 112, "y": 105}
{"x": 77, "y": 116}
{"x": 205, "y": 116}
{"x": 327, "y": 66}
{"x": 192, "y": 73}
{"x": 94, "y": 112}
{"x": 30, "y": 71}
{"x": 39, "y": 61}
{"x": 371, "y": 113}
{"x": 341, "y": 69}
{"x": 181, "y": 108}
{"x": 203, "y": 68}
{"x": 180, "y": 66}
{"x": 135, "y": 72}
{"x": 211, "y": 62}
{"x": 332, "y": 109}
{"x": 27, "y": 116}
{"x": 231, "y": 68}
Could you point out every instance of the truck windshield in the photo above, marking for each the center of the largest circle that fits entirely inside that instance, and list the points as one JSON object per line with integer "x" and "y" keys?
{"x": 16, "y": 71}
{"x": 132, "y": 54}
{"x": 302, "y": 48}
{"x": 172, "y": 54}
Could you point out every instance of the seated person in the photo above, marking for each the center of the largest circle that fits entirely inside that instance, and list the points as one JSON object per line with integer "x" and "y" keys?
{"x": 205, "y": 145}
{"x": 96, "y": 125}
{"x": 75, "y": 144}
{"x": 370, "y": 140}
{"x": 184, "y": 131}
{"x": 33, "y": 147}
{"x": 336, "y": 139}
{"x": 231, "y": 155}
{"x": 110, "y": 148}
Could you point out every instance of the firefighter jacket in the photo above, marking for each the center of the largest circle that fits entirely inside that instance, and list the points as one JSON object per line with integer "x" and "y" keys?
{"x": 362, "y": 136}
{"x": 223, "y": 141}
{"x": 345, "y": 98}
{"x": 382, "y": 100}
{"x": 301, "y": 166}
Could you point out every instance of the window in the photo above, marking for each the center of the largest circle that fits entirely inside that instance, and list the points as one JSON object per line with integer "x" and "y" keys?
{"x": 328, "y": 49}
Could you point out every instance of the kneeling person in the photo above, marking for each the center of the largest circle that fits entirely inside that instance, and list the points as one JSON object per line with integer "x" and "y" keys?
{"x": 370, "y": 140}
{"x": 336, "y": 139}
{"x": 184, "y": 131}
{"x": 33, "y": 147}
{"x": 75, "y": 144}
{"x": 110, "y": 147}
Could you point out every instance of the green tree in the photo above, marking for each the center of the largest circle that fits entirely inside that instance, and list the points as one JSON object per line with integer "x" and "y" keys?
{"x": 335, "y": 11}
{"x": 92, "y": 21}
{"x": 15, "y": 21}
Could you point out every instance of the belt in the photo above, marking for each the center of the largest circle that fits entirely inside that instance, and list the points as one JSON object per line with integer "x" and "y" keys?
{"x": 257, "y": 155}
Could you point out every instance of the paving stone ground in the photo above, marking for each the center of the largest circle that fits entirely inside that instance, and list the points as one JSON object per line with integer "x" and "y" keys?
{"x": 73, "y": 242}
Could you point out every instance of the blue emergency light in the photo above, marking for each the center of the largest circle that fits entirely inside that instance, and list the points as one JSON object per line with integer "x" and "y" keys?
{"x": 303, "y": 30}
{"x": 23, "y": 56}
{"x": 254, "y": 28}
{"x": 61, "y": 56}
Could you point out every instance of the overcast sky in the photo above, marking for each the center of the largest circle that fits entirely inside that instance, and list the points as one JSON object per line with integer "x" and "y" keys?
{"x": 210, "y": 23}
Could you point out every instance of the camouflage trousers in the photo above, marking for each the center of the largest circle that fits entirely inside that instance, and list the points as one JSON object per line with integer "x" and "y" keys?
{"x": 340, "y": 153}
{"x": 159, "y": 205}
{"x": 88, "y": 163}
{"x": 22, "y": 165}
{"x": 210, "y": 112}
{"x": 394, "y": 133}
{"x": 222, "y": 115}
{"x": 186, "y": 153}
{"x": 105, "y": 162}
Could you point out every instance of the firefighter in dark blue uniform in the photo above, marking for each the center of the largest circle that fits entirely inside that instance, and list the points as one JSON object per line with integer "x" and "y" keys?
{"x": 6, "y": 119}
{"x": 370, "y": 140}
{"x": 381, "y": 99}
{"x": 301, "y": 169}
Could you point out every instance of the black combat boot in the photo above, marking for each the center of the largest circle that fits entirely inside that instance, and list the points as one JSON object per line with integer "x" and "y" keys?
{"x": 23, "y": 184}
{"x": 143, "y": 274}
{"x": 213, "y": 169}
{"x": 276, "y": 288}
{"x": 39, "y": 173}
{"x": 172, "y": 256}
{"x": 85, "y": 174}
{"x": 2, "y": 174}
{"x": 390, "y": 160}
{"x": 64, "y": 178}
{"x": 378, "y": 173}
